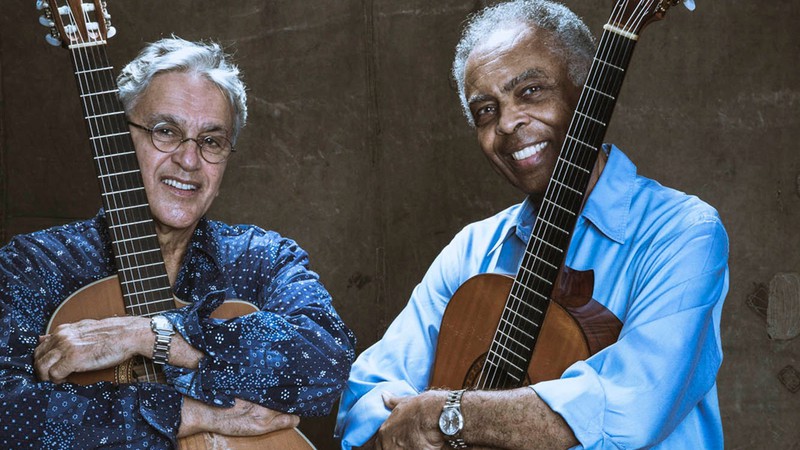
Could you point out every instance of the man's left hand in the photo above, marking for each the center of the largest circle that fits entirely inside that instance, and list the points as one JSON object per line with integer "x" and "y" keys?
{"x": 90, "y": 345}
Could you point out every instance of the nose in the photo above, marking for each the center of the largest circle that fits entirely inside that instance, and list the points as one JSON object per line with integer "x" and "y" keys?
{"x": 187, "y": 155}
{"x": 511, "y": 119}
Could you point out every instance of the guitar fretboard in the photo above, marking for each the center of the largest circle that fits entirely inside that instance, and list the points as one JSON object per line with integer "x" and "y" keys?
{"x": 512, "y": 348}
{"x": 143, "y": 278}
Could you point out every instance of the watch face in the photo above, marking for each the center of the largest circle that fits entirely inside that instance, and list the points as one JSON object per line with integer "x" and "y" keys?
{"x": 450, "y": 422}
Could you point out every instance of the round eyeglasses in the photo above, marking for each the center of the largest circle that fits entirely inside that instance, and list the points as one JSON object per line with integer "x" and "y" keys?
{"x": 215, "y": 148}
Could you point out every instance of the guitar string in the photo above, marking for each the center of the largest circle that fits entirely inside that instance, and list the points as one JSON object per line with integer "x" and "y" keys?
{"x": 520, "y": 325}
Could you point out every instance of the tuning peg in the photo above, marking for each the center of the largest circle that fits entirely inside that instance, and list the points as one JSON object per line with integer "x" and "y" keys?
{"x": 52, "y": 40}
{"x": 46, "y": 22}
{"x": 41, "y": 4}
{"x": 689, "y": 4}
{"x": 110, "y": 32}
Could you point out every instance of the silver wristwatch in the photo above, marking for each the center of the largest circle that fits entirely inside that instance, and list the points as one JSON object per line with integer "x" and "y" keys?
{"x": 451, "y": 421}
{"x": 164, "y": 330}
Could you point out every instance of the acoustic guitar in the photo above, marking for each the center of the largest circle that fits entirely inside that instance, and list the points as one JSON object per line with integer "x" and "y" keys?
{"x": 500, "y": 332}
{"x": 141, "y": 286}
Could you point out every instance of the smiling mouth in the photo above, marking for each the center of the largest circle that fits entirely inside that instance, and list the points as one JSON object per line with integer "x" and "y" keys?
{"x": 179, "y": 185}
{"x": 529, "y": 151}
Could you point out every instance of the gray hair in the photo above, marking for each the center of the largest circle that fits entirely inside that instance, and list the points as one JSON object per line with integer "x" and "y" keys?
{"x": 178, "y": 55}
{"x": 573, "y": 39}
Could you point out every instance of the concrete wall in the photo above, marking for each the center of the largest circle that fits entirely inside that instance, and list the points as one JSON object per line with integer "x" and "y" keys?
{"x": 356, "y": 148}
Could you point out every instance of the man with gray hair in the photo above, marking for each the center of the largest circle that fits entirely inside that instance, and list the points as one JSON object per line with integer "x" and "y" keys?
{"x": 658, "y": 257}
{"x": 185, "y": 105}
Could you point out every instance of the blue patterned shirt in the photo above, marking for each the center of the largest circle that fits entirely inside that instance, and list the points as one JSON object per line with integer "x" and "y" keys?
{"x": 293, "y": 355}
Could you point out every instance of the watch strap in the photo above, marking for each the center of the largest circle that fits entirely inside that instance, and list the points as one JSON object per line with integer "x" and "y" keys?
{"x": 454, "y": 401}
{"x": 164, "y": 331}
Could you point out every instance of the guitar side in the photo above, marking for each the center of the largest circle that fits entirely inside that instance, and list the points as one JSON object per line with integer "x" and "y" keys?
{"x": 96, "y": 301}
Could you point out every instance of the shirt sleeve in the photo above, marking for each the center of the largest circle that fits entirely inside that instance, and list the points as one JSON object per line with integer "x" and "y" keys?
{"x": 413, "y": 334}
{"x": 635, "y": 392}
{"x": 292, "y": 356}
{"x": 36, "y": 414}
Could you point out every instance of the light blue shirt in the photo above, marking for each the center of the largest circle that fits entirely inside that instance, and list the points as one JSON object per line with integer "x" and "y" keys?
{"x": 660, "y": 265}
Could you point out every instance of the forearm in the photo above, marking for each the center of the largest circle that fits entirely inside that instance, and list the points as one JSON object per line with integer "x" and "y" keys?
{"x": 513, "y": 419}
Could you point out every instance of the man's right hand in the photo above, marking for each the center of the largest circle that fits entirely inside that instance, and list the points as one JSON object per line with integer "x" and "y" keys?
{"x": 242, "y": 419}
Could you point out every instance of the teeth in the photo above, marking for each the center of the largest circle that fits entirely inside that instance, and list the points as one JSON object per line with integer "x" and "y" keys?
{"x": 527, "y": 152}
{"x": 178, "y": 185}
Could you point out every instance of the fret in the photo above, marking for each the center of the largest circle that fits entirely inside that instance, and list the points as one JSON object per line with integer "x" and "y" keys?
{"x": 606, "y": 63}
{"x": 550, "y": 202}
{"x": 128, "y": 255}
{"x": 515, "y": 297}
{"x": 549, "y": 283}
{"x": 130, "y": 223}
{"x": 600, "y": 92}
{"x": 96, "y": 69}
{"x": 122, "y": 133}
{"x": 97, "y": 116}
{"x": 93, "y": 94}
{"x": 498, "y": 355}
{"x": 139, "y": 280}
{"x": 113, "y": 155}
{"x": 584, "y": 144}
{"x": 118, "y": 173}
{"x": 500, "y": 349}
{"x": 135, "y": 238}
{"x": 148, "y": 291}
{"x": 567, "y": 186}
{"x": 124, "y": 208}
{"x": 142, "y": 266}
{"x": 578, "y": 113}
{"x": 154, "y": 302}
{"x": 526, "y": 319}
{"x": 508, "y": 336}
{"x": 140, "y": 188}
{"x": 552, "y": 225}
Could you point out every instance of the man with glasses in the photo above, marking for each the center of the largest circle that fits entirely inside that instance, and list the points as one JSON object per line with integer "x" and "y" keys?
{"x": 185, "y": 104}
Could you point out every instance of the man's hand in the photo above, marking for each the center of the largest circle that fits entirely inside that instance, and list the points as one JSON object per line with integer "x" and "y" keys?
{"x": 413, "y": 423}
{"x": 242, "y": 419}
{"x": 91, "y": 345}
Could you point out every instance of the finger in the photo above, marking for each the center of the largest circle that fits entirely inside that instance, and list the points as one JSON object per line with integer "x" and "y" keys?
{"x": 389, "y": 400}
{"x": 60, "y": 370}
{"x": 43, "y": 364}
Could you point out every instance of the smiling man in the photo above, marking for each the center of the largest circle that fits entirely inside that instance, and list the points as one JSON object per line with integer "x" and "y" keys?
{"x": 659, "y": 259}
{"x": 185, "y": 104}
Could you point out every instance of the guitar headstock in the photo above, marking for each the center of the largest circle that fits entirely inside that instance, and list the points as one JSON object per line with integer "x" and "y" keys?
{"x": 629, "y": 17}
{"x": 75, "y": 22}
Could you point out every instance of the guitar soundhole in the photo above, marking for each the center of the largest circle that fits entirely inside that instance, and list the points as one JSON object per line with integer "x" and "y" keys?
{"x": 500, "y": 380}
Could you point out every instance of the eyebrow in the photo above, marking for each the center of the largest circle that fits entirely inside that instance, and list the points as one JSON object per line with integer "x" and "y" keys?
{"x": 511, "y": 84}
{"x": 524, "y": 76}
{"x": 169, "y": 118}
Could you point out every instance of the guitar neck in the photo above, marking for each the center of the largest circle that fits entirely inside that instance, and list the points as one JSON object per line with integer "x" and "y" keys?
{"x": 512, "y": 346}
{"x": 143, "y": 277}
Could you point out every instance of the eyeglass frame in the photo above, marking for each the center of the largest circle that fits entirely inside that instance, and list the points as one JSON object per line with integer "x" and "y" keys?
{"x": 200, "y": 144}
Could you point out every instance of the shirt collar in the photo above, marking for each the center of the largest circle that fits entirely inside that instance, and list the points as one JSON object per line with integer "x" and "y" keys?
{"x": 608, "y": 206}
{"x": 203, "y": 241}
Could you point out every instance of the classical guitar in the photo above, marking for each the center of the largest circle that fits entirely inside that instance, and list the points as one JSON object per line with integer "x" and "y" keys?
{"x": 141, "y": 286}
{"x": 532, "y": 327}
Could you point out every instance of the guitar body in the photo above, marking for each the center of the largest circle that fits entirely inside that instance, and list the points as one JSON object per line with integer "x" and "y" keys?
{"x": 96, "y": 301}
{"x": 574, "y": 328}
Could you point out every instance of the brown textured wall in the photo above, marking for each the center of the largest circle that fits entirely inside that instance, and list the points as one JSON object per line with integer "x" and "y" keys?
{"x": 356, "y": 148}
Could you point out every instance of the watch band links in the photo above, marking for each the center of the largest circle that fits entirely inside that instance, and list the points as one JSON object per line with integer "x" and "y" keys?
{"x": 454, "y": 401}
